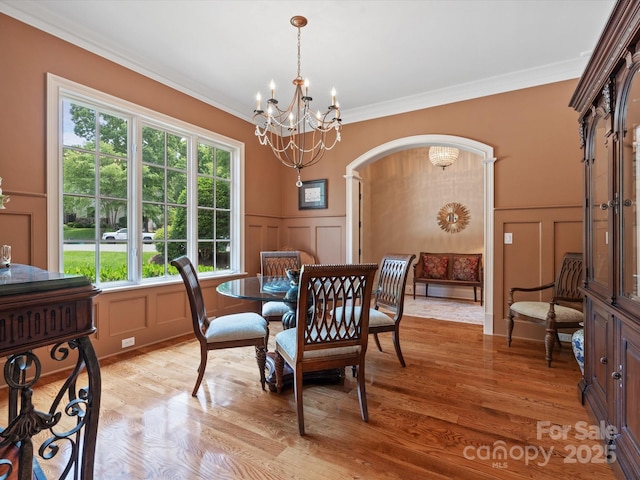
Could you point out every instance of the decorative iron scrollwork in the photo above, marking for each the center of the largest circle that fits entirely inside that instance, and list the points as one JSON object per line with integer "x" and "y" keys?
{"x": 29, "y": 421}
{"x": 72, "y": 410}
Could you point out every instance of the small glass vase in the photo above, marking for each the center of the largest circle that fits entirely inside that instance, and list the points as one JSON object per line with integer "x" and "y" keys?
{"x": 5, "y": 256}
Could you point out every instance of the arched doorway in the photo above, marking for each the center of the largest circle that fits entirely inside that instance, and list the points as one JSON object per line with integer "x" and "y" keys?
{"x": 483, "y": 151}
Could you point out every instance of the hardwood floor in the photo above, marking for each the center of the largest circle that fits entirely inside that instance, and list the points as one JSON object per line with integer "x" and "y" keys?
{"x": 461, "y": 397}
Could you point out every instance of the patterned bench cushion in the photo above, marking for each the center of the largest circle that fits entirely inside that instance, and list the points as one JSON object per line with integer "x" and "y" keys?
{"x": 435, "y": 266}
{"x": 465, "y": 267}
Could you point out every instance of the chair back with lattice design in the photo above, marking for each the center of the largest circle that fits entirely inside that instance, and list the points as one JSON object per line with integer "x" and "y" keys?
{"x": 331, "y": 298}
{"x": 276, "y": 263}
{"x": 569, "y": 280}
{"x": 306, "y": 258}
{"x": 199, "y": 317}
{"x": 392, "y": 280}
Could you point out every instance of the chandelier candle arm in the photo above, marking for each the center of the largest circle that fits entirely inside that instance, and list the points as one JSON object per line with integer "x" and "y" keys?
{"x": 297, "y": 137}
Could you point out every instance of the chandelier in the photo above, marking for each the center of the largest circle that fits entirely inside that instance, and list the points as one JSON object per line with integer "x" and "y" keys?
{"x": 443, "y": 156}
{"x": 298, "y": 137}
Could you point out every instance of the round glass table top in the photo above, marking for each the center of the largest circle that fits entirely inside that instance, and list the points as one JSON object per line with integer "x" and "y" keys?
{"x": 256, "y": 288}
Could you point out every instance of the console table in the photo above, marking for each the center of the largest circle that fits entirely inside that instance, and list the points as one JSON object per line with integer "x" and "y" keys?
{"x": 54, "y": 310}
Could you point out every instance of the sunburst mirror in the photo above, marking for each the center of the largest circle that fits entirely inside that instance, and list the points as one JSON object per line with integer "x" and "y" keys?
{"x": 453, "y": 217}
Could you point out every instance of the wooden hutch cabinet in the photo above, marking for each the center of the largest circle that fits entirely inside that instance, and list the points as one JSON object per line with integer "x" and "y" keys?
{"x": 608, "y": 101}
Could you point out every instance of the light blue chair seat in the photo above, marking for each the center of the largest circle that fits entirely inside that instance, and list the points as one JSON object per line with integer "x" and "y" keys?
{"x": 274, "y": 309}
{"x": 237, "y": 326}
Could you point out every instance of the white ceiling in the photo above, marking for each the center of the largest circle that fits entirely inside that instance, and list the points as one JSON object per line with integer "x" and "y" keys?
{"x": 383, "y": 57}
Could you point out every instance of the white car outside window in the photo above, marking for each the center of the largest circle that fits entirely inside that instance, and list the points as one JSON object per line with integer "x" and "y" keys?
{"x": 121, "y": 235}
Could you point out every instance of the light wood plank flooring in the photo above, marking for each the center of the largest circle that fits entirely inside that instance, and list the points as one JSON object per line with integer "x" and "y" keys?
{"x": 444, "y": 416}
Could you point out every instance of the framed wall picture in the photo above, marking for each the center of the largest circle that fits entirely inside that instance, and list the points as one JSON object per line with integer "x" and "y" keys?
{"x": 312, "y": 194}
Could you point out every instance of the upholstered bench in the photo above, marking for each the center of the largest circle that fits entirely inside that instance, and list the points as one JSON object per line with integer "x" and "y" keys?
{"x": 458, "y": 269}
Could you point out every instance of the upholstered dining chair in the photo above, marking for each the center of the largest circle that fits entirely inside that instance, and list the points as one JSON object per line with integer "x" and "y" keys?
{"x": 275, "y": 264}
{"x": 386, "y": 312}
{"x": 227, "y": 331}
{"x": 564, "y": 310}
{"x": 327, "y": 337}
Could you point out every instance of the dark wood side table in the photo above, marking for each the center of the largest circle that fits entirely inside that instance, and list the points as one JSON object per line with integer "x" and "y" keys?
{"x": 39, "y": 308}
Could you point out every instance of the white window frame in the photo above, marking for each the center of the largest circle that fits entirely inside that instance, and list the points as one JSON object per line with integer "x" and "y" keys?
{"x": 59, "y": 88}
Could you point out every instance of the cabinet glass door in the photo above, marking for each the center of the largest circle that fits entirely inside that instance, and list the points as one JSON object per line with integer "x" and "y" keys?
{"x": 600, "y": 206}
{"x": 628, "y": 196}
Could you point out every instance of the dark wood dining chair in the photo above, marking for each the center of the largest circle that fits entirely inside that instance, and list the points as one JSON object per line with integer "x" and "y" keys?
{"x": 386, "y": 312}
{"x": 327, "y": 337}
{"x": 227, "y": 331}
{"x": 563, "y": 310}
{"x": 275, "y": 264}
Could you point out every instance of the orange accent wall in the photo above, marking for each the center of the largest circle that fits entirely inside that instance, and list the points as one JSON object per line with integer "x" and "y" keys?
{"x": 538, "y": 174}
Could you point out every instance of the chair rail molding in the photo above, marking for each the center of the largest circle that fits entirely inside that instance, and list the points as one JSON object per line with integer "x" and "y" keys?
{"x": 354, "y": 184}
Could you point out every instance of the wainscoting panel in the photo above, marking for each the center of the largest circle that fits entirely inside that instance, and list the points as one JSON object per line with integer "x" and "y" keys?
{"x": 253, "y": 246}
{"x": 322, "y": 237}
{"x": 330, "y": 244}
{"x": 128, "y": 315}
{"x": 567, "y": 237}
{"x": 14, "y": 226}
{"x": 272, "y": 238}
{"x": 525, "y": 251}
{"x": 23, "y": 226}
{"x": 170, "y": 307}
{"x": 298, "y": 235}
{"x": 148, "y": 314}
{"x": 541, "y": 236}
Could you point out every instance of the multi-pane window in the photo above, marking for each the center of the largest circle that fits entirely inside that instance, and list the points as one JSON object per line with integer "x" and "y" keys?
{"x": 164, "y": 192}
{"x": 214, "y": 206}
{"x": 95, "y": 174}
{"x": 136, "y": 193}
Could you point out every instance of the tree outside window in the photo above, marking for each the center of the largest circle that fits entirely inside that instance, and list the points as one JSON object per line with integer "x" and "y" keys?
{"x": 126, "y": 215}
